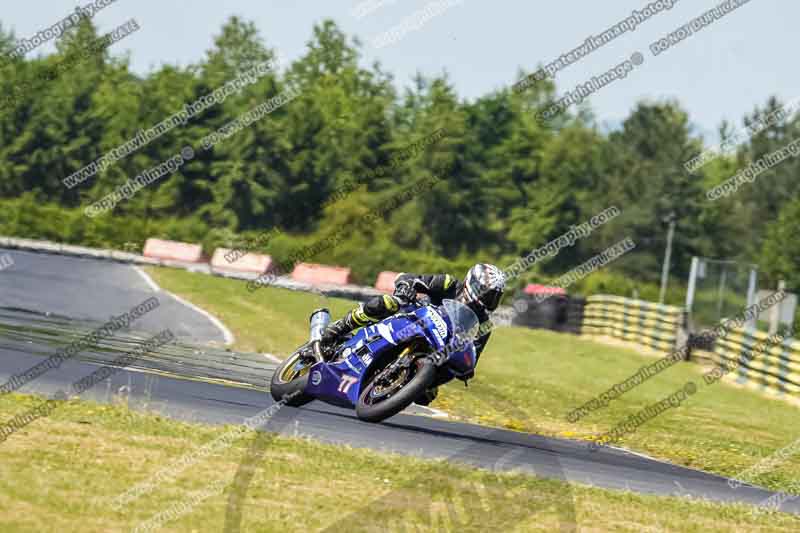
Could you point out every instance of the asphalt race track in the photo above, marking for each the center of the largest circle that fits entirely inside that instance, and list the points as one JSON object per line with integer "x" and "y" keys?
{"x": 45, "y": 300}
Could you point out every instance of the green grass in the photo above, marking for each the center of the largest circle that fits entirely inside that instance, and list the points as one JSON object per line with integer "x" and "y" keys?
{"x": 266, "y": 320}
{"x": 62, "y": 473}
{"x": 528, "y": 380}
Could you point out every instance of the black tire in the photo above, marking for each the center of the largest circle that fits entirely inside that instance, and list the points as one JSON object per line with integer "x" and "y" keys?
{"x": 280, "y": 389}
{"x": 421, "y": 380}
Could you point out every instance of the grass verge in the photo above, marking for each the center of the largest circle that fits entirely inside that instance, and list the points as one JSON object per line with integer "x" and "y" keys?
{"x": 528, "y": 380}
{"x": 63, "y": 472}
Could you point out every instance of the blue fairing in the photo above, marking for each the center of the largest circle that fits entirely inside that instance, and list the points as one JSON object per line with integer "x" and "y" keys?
{"x": 339, "y": 382}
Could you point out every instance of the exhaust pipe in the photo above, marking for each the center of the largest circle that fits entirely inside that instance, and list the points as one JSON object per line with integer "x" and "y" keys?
{"x": 319, "y": 322}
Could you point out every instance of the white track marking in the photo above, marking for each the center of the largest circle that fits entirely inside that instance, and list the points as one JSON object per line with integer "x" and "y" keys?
{"x": 643, "y": 456}
{"x": 226, "y": 333}
{"x": 272, "y": 358}
{"x": 437, "y": 412}
{"x": 507, "y": 457}
{"x": 146, "y": 277}
{"x": 433, "y": 412}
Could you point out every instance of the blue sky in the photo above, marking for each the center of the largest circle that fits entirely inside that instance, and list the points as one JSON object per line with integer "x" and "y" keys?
{"x": 721, "y": 72}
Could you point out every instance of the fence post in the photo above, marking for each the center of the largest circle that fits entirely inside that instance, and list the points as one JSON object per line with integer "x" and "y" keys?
{"x": 775, "y": 311}
{"x": 692, "y": 284}
{"x": 752, "y": 286}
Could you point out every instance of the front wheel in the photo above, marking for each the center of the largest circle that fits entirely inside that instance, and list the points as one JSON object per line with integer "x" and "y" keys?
{"x": 394, "y": 388}
{"x": 290, "y": 379}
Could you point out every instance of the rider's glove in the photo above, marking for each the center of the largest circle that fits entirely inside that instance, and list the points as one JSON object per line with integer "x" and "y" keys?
{"x": 405, "y": 292}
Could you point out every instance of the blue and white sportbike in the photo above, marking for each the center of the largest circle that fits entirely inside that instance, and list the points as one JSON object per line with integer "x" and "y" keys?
{"x": 381, "y": 369}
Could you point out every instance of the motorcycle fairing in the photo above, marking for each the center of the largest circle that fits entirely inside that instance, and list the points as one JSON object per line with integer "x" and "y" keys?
{"x": 339, "y": 382}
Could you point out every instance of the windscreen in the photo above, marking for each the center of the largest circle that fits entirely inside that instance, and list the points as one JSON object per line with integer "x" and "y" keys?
{"x": 463, "y": 319}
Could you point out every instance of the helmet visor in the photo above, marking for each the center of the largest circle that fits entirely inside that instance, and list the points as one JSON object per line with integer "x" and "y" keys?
{"x": 479, "y": 293}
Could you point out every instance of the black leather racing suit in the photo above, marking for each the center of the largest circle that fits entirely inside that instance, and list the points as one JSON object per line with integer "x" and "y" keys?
{"x": 437, "y": 287}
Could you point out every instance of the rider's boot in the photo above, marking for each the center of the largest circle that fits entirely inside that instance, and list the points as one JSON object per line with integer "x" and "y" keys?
{"x": 379, "y": 307}
{"x": 336, "y": 331}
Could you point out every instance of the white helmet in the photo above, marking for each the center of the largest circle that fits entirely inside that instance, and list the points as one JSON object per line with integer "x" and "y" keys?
{"x": 483, "y": 287}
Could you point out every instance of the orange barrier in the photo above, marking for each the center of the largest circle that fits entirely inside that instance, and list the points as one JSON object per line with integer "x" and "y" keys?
{"x": 173, "y": 250}
{"x": 321, "y": 274}
{"x": 385, "y": 281}
{"x": 240, "y": 261}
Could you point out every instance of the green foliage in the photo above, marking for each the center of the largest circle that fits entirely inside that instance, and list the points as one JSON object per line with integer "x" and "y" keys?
{"x": 507, "y": 184}
{"x": 616, "y": 283}
{"x": 29, "y": 218}
{"x": 781, "y": 252}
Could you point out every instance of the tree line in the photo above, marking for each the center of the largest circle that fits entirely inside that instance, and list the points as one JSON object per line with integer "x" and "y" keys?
{"x": 352, "y": 139}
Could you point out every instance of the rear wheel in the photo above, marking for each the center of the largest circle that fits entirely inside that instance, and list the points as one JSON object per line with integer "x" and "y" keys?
{"x": 394, "y": 388}
{"x": 291, "y": 377}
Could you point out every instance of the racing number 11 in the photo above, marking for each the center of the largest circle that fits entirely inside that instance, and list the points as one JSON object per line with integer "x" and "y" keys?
{"x": 346, "y": 382}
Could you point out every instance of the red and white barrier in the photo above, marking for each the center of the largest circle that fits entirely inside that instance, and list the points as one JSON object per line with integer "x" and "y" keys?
{"x": 173, "y": 251}
{"x": 385, "y": 281}
{"x": 240, "y": 261}
{"x": 535, "y": 288}
{"x": 321, "y": 274}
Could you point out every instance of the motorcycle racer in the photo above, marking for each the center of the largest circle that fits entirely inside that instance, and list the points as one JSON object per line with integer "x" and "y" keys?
{"x": 481, "y": 290}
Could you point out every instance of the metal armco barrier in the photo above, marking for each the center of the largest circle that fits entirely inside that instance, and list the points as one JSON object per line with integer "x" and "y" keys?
{"x": 653, "y": 325}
